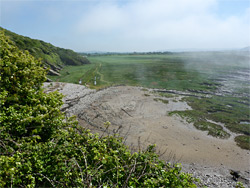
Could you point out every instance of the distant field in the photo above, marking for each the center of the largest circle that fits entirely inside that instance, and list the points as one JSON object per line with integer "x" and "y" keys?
{"x": 198, "y": 71}
{"x": 224, "y": 76}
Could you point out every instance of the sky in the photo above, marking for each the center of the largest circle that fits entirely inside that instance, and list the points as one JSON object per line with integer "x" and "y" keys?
{"x": 131, "y": 25}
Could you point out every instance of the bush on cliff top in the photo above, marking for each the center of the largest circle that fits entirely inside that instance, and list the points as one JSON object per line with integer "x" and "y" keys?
{"x": 40, "y": 147}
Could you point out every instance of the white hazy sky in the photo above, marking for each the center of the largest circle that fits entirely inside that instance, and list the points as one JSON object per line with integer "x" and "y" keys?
{"x": 131, "y": 25}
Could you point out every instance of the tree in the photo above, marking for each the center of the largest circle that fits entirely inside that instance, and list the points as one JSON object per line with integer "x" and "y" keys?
{"x": 25, "y": 110}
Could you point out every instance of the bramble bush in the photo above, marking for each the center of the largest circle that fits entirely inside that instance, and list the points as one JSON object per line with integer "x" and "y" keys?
{"x": 40, "y": 147}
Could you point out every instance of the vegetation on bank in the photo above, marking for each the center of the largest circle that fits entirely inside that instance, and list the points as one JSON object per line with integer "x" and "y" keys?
{"x": 40, "y": 147}
{"x": 231, "y": 111}
{"x": 243, "y": 141}
{"x": 49, "y": 54}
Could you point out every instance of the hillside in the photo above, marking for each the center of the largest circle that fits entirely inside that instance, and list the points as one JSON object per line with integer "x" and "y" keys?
{"x": 53, "y": 57}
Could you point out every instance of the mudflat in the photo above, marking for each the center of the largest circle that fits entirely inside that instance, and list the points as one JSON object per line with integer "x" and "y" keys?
{"x": 141, "y": 118}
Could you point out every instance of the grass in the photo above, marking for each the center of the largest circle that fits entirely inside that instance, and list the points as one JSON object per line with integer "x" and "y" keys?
{"x": 226, "y": 109}
{"x": 212, "y": 128}
{"x": 167, "y": 95}
{"x": 199, "y": 121}
{"x": 153, "y": 71}
{"x": 173, "y": 71}
{"x": 161, "y": 100}
{"x": 220, "y": 72}
{"x": 190, "y": 116}
{"x": 243, "y": 141}
{"x": 72, "y": 74}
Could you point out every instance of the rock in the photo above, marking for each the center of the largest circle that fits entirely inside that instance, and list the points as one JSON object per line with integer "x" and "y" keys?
{"x": 215, "y": 177}
{"x": 53, "y": 73}
{"x": 48, "y": 80}
{"x": 235, "y": 174}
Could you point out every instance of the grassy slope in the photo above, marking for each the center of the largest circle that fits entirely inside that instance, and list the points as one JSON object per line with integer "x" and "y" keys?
{"x": 46, "y": 51}
{"x": 72, "y": 74}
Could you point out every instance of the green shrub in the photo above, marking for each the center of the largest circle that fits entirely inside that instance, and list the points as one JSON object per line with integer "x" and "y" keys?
{"x": 25, "y": 110}
{"x": 40, "y": 147}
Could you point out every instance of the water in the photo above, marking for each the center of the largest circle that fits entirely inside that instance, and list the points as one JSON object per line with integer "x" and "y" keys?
{"x": 245, "y": 122}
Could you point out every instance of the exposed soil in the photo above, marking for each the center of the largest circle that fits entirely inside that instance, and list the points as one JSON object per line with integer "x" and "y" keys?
{"x": 135, "y": 115}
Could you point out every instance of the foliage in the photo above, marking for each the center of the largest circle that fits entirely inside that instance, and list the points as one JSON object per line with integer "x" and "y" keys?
{"x": 40, "y": 147}
{"x": 49, "y": 54}
{"x": 239, "y": 185}
{"x": 75, "y": 157}
{"x": 25, "y": 110}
